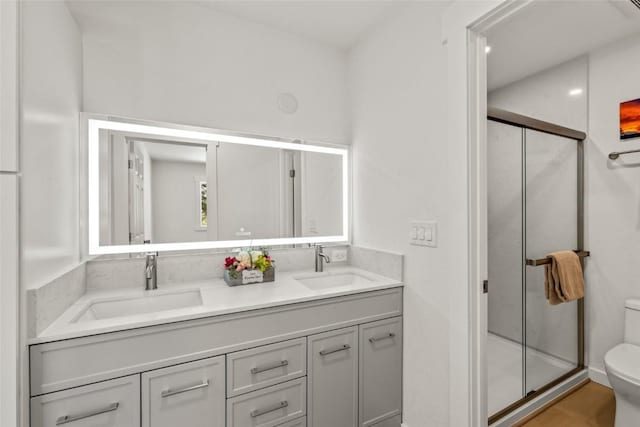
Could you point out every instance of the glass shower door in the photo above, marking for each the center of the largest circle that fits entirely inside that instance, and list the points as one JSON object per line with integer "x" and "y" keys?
{"x": 551, "y": 332}
{"x": 505, "y": 342}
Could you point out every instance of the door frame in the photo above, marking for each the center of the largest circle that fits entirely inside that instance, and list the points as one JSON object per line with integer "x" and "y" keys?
{"x": 464, "y": 24}
{"x": 12, "y": 353}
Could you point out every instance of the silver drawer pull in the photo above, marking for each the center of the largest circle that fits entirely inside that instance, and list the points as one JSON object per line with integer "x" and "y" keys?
{"x": 335, "y": 350}
{"x": 382, "y": 337}
{"x": 71, "y": 418}
{"x": 257, "y": 412}
{"x": 276, "y": 365}
{"x": 167, "y": 393}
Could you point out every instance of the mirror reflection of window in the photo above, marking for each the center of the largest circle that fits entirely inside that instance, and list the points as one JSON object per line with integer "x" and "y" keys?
{"x": 203, "y": 203}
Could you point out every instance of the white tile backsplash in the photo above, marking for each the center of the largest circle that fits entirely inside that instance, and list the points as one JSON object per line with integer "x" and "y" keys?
{"x": 128, "y": 272}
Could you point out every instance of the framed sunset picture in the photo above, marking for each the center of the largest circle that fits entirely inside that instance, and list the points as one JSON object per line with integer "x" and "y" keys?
{"x": 630, "y": 119}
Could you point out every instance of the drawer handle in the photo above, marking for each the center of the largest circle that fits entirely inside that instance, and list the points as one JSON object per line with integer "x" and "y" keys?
{"x": 382, "y": 337}
{"x": 71, "y": 418}
{"x": 259, "y": 369}
{"x": 168, "y": 392}
{"x": 257, "y": 412}
{"x": 335, "y": 350}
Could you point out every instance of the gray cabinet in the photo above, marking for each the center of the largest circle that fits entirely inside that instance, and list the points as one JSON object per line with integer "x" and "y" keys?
{"x": 282, "y": 366}
{"x": 380, "y": 372}
{"x": 190, "y": 394}
{"x": 333, "y": 379}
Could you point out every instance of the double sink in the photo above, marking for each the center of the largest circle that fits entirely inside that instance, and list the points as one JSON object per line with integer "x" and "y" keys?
{"x": 159, "y": 302}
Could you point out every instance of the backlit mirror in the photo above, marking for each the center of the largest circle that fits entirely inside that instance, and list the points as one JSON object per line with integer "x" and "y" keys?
{"x": 157, "y": 186}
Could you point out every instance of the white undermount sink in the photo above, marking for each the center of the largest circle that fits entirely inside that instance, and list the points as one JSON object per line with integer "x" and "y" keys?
{"x": 150, "y": 303}
{"x": 321, "y": 281}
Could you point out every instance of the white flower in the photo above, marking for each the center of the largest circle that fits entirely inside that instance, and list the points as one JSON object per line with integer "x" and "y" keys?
{"x": 243, "y": 257}
{"x": 255, "y": 255}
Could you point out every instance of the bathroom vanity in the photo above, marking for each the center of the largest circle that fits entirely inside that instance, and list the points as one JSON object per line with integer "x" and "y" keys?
{"x": 296, "y": 352}
{"x": 317, "y": 349}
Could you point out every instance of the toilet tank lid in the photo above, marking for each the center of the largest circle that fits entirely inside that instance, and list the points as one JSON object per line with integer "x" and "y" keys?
{"x": 633, "y": 304}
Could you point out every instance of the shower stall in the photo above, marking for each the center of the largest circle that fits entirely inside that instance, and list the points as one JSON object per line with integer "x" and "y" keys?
{"x": 535, "y": 206}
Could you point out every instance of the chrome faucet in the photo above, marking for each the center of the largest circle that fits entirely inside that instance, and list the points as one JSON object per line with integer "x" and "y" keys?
{"x": 151, "y": 271}
{"x": 321, "y": 257}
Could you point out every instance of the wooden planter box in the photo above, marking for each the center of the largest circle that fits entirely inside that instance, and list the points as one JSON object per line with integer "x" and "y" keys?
{"x": 247, "y": 277}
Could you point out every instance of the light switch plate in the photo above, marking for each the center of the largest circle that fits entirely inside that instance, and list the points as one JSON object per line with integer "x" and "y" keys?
{"x": 423, "y": 233}
{"x": 338, "y": 255}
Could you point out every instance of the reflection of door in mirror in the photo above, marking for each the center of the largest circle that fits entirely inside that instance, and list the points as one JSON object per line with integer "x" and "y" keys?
{"x": 136, "y": 193}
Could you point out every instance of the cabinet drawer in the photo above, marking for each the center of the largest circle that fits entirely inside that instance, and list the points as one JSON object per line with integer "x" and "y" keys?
{"x": 191, "y": 392}
{"x": 269, "y": 407}
{"x": 333, "y": 379}
{"x": 265, "y": 366}
{"x": 114, "y": 403}
{"x": 300, "y": 422}
{"x": 380, "y": 371}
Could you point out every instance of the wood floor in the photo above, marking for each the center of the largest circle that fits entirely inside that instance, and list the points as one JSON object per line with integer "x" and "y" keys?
{"x": 592, "y": 405}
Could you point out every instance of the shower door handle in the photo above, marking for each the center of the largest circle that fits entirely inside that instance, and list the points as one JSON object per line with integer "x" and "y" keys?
{"x": 485, "y": 286}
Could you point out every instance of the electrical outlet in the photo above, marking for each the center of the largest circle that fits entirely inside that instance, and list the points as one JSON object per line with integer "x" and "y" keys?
{"x": 338, "y": 255}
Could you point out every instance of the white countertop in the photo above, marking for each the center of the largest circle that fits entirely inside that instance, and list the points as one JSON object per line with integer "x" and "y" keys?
{"x": 217, "y": 299}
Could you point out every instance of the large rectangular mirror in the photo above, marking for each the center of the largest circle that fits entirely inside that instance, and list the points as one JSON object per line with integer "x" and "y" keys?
{"x": 157, "y": 186}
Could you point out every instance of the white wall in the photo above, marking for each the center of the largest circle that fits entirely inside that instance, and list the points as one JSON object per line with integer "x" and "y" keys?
{"x": 51, "y": 101}
{"x": 175, "y": 201}
{"x": 186, "y": 63}
{"x": 398, "y": 82}
{"x": 613, "y": 203}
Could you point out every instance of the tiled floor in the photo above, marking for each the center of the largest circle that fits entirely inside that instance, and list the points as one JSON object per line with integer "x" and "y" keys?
{"x": 592, "y": 405}
{"x": 505, "y": 371}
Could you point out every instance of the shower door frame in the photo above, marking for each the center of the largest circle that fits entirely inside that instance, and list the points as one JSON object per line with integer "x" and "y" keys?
{"x": 529, "y": 123}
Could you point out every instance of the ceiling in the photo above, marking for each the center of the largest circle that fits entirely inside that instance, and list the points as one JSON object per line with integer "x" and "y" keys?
{"x": 337, "y": 23}
{"x": 548, "y": 33}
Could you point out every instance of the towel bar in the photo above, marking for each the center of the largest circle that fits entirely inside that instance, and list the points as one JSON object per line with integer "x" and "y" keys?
{"x": 543, "y": 261}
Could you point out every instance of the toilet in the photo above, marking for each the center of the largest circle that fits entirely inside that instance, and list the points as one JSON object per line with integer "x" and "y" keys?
{"x": 623, "y": 368}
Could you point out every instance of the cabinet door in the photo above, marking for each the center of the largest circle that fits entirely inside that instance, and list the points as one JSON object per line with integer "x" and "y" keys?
{"x": 191, "y": 393}
{"x": 114, "y": 403}
{"x": 333, "y": 379}
{"x": 380, "y": 371}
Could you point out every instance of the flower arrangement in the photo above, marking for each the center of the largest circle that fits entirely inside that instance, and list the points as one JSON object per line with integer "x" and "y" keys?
{"x": 252, "y": 266}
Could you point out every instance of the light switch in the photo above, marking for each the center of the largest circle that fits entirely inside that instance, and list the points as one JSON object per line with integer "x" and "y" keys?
{"x": 428, "y": 234}
{"x": 413, "y": 234}
{"x": 424, "y": 233}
